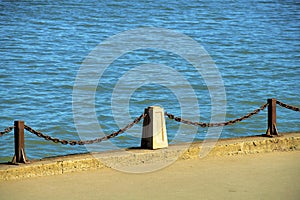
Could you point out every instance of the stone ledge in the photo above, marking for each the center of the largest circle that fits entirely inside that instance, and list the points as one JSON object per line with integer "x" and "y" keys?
{"x": 136, "y": 157}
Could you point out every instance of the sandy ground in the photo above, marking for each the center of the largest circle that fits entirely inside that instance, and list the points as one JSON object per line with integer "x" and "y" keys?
{"x": 259, "y": 176}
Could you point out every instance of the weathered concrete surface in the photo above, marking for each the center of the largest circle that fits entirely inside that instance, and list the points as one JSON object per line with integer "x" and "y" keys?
{"x": 264, "y": 176}
{"x": 125, "y": 159}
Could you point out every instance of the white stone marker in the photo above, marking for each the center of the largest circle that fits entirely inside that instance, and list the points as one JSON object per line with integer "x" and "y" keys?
{"x": 154, "y": 129}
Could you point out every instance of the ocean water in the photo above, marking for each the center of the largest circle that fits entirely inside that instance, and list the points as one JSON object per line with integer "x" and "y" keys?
{"x": 255, "y": 46}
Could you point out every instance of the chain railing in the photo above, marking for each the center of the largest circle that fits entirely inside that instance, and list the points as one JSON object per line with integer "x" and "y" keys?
{"x": 203, "y": 125}
{"x": 7, "y": 130}
{"x": 83, "y": 142}
{"x": 19, "y": 126}
{"x": 294, "y": 108}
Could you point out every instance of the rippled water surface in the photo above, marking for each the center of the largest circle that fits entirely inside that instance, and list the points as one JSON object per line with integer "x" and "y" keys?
{"x": 255, "y": 46}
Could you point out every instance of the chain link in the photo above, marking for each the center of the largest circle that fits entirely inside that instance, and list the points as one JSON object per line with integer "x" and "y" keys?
{"x": 82, "y": 142}
{"x": 138, "y": 119}
{"x": 287, "y": 106}
{"x": 203, "y": 125}
{"x": 7, "y": 130}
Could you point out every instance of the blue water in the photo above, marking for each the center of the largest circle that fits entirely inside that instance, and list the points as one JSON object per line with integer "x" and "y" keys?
{"x": 255, "y": 46}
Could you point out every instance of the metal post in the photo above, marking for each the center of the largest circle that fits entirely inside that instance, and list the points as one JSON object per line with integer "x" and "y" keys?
{"x": 20, "y": 156}
{"x": 272, "y": 129}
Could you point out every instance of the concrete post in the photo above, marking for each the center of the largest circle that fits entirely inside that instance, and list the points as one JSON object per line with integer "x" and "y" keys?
{"x": 154, "y": 129}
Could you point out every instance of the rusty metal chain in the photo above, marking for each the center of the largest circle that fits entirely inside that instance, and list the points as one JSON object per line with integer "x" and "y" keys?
{"x": 203, "y": 125}
{"x": 82, "y": 142}
{"x": 138, "y": 119}
{"x": 7, "y": 130}
{"x": 287, "y": 106}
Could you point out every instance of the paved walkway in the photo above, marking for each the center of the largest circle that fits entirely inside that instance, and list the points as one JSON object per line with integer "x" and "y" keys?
{"x": 260, "y": 176}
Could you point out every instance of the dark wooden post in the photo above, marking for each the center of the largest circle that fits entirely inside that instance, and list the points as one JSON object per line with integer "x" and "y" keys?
{"x": 20, "y": 156}
{"x": 272, "y": 129}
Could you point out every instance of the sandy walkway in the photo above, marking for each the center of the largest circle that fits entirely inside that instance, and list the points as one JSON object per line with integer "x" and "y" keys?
{"x": 260, "y": 176}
